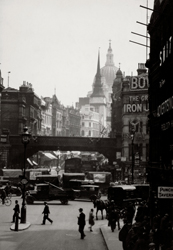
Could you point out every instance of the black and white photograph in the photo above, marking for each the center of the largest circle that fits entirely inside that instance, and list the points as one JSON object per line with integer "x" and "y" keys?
{"x": 86, "y": 125}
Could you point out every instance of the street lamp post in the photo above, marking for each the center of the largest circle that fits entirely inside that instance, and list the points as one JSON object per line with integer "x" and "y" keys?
{"x": 133, "y": 162}
{"x": 8, "y": 78}
{"x": 25, "y": 140}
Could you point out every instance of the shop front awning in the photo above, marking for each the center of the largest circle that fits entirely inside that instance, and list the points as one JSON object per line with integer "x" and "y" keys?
{"x": 35, "y": 163}
{"x": 50, "y": 156}
{"x": 30, "y": 162}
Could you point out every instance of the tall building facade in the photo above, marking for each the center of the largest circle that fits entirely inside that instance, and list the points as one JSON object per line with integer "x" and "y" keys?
{"x": 47, "y": 116}
{"x": 74, "y": 119}
{"x": 19, "y": 108}
{"x": 100, "y": 96}
{"x": 130, "y": 114}
{"x": 160, "y": 66}
{"x": 90, "y": 121}
{"x": 108, "y": 74}
{"x": 57, "y": 116}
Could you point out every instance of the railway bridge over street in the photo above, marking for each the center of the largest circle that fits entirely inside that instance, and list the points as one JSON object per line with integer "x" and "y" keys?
{"x": 106, "y": 146}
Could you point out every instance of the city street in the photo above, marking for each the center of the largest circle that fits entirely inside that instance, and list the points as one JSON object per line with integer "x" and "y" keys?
{"x": 62, "y": 234}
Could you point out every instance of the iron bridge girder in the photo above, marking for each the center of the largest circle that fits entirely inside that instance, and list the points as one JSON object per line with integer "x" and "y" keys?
{"x": 105, "y": 146}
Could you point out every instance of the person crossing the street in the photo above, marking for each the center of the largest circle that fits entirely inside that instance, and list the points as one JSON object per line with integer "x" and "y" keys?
{"x": 81, "y": 223}
{"x": 46, "y": 213}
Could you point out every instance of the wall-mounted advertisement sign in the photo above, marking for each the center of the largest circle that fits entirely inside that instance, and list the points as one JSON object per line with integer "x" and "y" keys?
{"x": 138, "y": 83}
{"x": 137, "y": 104}
{"x": 165, "y": 192}
{"x": 100, "y": 178}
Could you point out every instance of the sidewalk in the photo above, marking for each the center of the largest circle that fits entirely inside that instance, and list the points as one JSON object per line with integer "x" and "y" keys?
{"x": 21, "y": 226}
{"x": 111, "y": 238}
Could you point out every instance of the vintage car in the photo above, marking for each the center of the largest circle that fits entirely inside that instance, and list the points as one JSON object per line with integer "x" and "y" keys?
{"x": 47, "y": 192}
{"x": 15, "y": 191}
{"x": 89, "y": 191}
{"x": 122, "y": 194}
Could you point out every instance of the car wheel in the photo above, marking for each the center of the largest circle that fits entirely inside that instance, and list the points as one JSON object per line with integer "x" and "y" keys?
{"x": 77, "y": 196}
{"x": 64, "y": 202}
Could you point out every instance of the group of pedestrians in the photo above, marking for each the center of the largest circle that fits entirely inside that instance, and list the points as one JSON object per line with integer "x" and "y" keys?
{"x": 82, "y": 222}
{"x": 138, "y": 234}
{"x": 46, "y": 212}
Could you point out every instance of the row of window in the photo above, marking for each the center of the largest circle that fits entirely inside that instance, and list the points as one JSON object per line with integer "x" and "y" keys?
{"x": 90, "y": 133}
{"x": 89, "y": 124}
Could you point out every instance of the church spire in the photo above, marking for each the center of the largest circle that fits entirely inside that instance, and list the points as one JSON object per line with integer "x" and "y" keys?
{"x": 98, "y": 75}
{"x": 98, "y": 90}
{"x": 109, "y": 56}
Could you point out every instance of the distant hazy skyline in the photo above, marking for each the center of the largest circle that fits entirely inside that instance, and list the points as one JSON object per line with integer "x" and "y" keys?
{"x": 53, "y": 44}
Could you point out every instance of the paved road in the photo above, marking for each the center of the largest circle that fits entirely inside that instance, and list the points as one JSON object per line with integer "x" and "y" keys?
{"x": 62, "y": 234}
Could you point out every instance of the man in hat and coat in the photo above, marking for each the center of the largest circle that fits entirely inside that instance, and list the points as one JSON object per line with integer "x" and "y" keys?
{"x": 81, "y": 223}
{"x": 46, "y": 213}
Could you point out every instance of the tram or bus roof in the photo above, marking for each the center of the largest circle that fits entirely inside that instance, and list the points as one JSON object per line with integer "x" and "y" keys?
{"x": 73, "y": 174}
{"x": 124, "y": 187}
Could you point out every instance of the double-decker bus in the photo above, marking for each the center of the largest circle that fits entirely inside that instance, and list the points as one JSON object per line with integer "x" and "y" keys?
{"x": 78, "y": 165}
{"x": 73, "y": 165}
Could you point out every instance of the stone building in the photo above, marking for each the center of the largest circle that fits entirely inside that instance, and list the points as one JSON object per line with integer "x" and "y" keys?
{"x": 19, "y": 108}
{"x": 130, "y": 111}
{"x": 74, "y": 119}
{"x": 46, "y": 114}
{"x": 108, "y": 74}
{"x": 160, "y": 66}
{"x": 57, "y": 114}
{"x": 90, "y": 121}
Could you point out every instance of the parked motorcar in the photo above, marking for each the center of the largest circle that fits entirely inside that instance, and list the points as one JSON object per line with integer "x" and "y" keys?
{"x": 47, "y": 192}
{"x": 122, "y": 194}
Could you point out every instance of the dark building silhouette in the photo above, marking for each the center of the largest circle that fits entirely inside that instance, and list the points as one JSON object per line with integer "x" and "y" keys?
{"x": 160, "y": 66}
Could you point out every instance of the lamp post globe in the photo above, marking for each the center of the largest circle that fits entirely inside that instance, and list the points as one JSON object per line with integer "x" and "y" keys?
{"x": 25, "y": 140}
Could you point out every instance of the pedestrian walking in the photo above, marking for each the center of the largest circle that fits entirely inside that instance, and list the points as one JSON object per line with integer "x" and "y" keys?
{"x": 46, "y": 213}
{"x": 7, "y": 189}
{"x": 81, "y": 223}
{"x": 130, "y": 212}
{"x": 91, "y": 219}
{"x": 113, "y": 218}
{"x": 16, "y": 211}
{"x": 3, "y": 196}
{"x": 123, "y": 233}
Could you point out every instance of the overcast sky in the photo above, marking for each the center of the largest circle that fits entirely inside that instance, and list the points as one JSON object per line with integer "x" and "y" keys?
{"x": 53, "y": 44}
